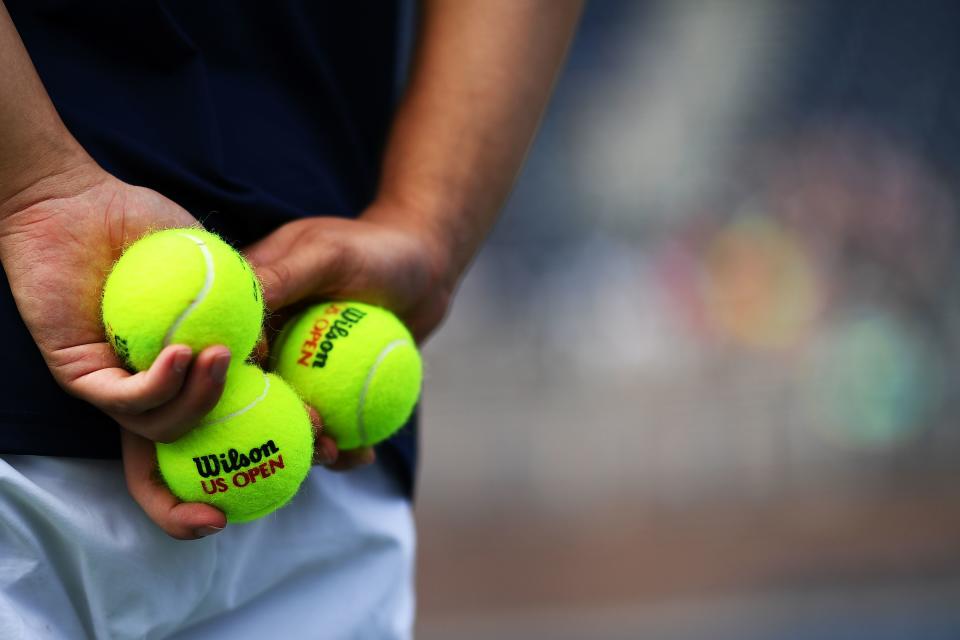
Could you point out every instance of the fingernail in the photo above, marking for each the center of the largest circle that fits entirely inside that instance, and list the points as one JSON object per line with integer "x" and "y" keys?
{"x": 207, "y": 530}
{"x": 218, "y": 370}
{"x": 182, "y": 360}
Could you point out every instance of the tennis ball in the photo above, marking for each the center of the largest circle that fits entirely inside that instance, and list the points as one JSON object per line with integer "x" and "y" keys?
{"x": 249, "y": 455}
{"x": 357, "y": 364}
{"x": 181, "y": 286}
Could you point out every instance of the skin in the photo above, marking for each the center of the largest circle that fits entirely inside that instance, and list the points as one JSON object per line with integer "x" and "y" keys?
{"x": 481, "y": 77}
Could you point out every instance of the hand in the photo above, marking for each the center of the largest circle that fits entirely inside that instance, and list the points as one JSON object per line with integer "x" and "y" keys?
{"x": 56, "y": 251}
{"x": 370, "y": 259}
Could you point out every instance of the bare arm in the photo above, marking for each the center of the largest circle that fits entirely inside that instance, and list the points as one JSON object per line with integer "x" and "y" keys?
{"x": 482, "y": 75}
{"x": 481, "y": 78}
{"x": 34, "y": 143}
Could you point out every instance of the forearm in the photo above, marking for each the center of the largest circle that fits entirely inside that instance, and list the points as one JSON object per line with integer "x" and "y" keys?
{"x": 481, "y": 78}
{"x": 34, "y": 143}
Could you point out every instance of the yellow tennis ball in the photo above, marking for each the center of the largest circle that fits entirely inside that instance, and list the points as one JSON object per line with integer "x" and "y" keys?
{"x": 249, "y": 455}
{"x": 357, "y": 364}
{"x": 181, "y": 286}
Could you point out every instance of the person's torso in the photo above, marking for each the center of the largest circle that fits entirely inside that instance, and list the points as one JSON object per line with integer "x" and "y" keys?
{"x": 248, "y": 114}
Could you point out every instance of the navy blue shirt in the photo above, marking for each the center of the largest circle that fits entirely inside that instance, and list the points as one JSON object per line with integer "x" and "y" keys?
{"x": 248, "y": 114}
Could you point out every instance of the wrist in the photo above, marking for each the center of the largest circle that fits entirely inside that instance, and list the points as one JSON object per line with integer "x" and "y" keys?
{"x": 423, "y": 223}
{"x": 58, "y": 169}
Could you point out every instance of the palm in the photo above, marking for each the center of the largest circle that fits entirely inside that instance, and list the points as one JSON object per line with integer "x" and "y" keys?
{"x": 57, "y": 253}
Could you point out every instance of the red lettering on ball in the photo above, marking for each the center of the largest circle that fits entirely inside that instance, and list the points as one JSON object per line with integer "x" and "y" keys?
{"x": 217, "y": 485}
{"x": 305, "y": 357}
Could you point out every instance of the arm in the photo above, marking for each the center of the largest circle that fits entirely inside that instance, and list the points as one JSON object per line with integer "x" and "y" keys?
{"x": 36, "y": 147}
{"x": 63, "y": 221}
{"x": 481, "y": 78}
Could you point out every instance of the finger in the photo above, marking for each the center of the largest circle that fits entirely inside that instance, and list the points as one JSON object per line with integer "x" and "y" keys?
{"x": 118, "y": 393}
{"x": 353, "y": 458}
{"x": 293, "y": 276}
{"x": 200, "y": 393}
{"x": 325, "y": 451}
{"x": 181, "y": 520}
{"x": 324, "y": 448}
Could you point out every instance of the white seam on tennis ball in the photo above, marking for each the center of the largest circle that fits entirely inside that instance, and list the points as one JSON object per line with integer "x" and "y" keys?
{"x": 243, "y": 410}
{"x": 362, "y": 428}
{"x": 201, "y": 295}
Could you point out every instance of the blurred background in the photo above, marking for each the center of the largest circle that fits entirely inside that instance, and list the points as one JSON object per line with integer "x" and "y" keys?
{"x": 701, "y": 381}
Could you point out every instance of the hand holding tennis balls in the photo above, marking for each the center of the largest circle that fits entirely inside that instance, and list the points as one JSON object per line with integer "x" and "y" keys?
{"x": 382, "y": 256}
{"x": 58, "y": 241}
{"x": 249, "y": 455}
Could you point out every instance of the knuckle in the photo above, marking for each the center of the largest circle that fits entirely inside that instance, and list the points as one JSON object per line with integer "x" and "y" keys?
{"x": 158, "y": 431}
{"x": 120, "y": 406}
{"x": 134, "y": 490}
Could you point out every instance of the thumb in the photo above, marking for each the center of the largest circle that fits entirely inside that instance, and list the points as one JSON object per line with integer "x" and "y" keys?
{"x": 181, "y": 520}
{"x": 291, "y": 273}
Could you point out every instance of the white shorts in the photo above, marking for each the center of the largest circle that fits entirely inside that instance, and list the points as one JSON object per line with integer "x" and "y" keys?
{"x": 79, "y": 559}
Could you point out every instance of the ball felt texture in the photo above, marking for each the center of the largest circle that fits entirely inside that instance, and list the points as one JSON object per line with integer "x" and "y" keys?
{"x": 357, "y": 364}
{"x": 181, "y": 286}
{"x": 249, "y": 455}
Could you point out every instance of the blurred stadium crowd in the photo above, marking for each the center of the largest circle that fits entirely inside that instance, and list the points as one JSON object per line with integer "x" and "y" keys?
{"x": 715, "y": 332}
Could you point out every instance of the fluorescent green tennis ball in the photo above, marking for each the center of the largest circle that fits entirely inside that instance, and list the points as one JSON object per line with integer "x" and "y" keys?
{"x": 249, "y": 455}
{"x": 357, "y": 364}
{"x": 181, "y": 286}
